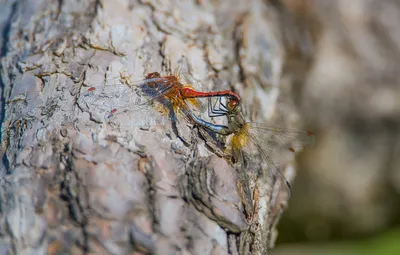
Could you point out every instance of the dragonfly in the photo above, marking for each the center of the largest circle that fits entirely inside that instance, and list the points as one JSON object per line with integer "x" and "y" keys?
{"x": 170, "y": 91}
{"x": 253, "y": 138}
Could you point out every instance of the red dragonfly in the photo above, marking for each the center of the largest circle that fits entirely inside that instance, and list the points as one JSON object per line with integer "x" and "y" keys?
{"x": 169, "y": 91}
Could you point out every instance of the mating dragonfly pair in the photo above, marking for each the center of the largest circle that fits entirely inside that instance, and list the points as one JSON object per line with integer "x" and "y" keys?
{"x": 248, "y": 138}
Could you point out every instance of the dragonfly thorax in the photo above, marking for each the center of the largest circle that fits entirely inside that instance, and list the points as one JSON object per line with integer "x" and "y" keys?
{"x": 236, "y": 120}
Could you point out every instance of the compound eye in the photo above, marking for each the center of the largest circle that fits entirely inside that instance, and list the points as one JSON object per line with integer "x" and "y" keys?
{"x": 233, "y": 103}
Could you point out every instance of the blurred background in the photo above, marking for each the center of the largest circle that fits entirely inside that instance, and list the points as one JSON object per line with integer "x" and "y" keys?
{"x": 343, "y": 65}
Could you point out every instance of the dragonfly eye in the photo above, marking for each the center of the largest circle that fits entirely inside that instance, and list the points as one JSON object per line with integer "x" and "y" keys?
{"x": 233, "y": 103}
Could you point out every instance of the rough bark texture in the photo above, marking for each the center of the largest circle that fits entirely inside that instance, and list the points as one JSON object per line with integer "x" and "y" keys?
{"x": 72, "y": 182}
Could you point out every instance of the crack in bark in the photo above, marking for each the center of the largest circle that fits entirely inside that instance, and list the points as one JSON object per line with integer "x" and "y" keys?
{"x": 3, "y": 51}
{"x": 140, "y": 240}
{"x": 195, "y": 189}
{"x": 7, "y": 28}
{"x": 15, "y": 131}
{"x": 237, "y": 37}
{"x": 71, "y": 186}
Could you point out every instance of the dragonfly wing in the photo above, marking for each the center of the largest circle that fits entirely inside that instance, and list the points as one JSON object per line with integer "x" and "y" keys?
{"x": 131, "y": 104}
{"x": 107, "y": 97}
{"x": 149, "y": 88}
{"x": 277, "y": 146}
{"x": 124, "y": 96}
{"x": 121, "y": 105}
{"x": 269, "y": 167}
{"x": 139, "y": 117}
{"x": 280, "y": 139}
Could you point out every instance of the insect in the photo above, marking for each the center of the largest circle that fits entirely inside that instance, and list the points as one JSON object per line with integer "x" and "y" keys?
{"x": 253, "y": 138}
{"x": 169, "y": 91}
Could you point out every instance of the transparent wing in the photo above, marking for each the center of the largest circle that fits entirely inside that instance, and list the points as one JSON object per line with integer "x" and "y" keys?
{"x": 130, "y": 102}
{"x": 124, "y": 96}
{"x": 275, "y": 146}
{"x": 280, "y": 139}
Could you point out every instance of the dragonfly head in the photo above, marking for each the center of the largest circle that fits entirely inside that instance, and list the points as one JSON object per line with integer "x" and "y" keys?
{"x": 232, "y": 105}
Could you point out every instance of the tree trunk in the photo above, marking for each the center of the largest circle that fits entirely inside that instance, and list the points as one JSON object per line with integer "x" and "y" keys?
{"x": 75, "y": 183}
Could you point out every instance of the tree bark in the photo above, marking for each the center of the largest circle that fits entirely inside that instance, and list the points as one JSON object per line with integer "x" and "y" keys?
{"x": 74, "y": 183}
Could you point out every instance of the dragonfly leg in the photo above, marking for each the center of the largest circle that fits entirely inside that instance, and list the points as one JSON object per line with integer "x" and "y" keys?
{"x": 213, "y": 112}
{"x": 222, "y": 104}
{"x": 174, "y": 121}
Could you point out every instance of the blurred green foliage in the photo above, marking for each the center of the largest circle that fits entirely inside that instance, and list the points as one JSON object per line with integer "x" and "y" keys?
{"x": 387, "y": 243}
